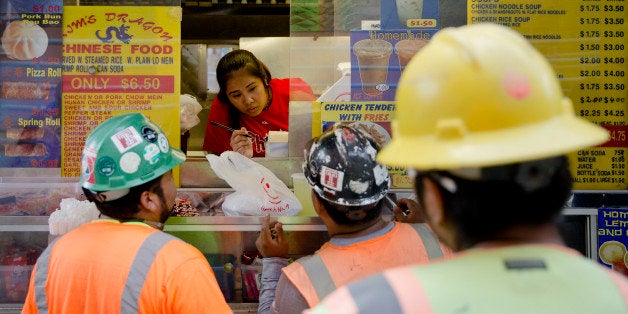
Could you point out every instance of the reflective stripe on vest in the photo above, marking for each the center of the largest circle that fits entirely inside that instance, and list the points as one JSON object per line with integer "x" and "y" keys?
{"x": 362, "y": 290}
{"x": 41, "y": 278}
{"x": 135, "y": 280}
{"x": 430, "y": 241}
{"x": 320, "y": 277}
{"x": 141, "y": 265}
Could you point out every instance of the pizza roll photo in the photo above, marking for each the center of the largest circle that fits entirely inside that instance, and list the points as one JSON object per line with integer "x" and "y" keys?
{"x": 25, "y": 90}
{"x": 17, "y": 150}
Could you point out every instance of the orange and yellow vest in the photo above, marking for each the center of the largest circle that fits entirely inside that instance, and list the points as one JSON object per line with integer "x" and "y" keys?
{"x": 110, "y": 267}
{"x": 540, "y": 279}
{"x": 332, "y": 266}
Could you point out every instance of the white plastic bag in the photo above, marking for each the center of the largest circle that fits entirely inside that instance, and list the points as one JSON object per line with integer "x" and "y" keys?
{"x": 257, "y": 190}
{"x": 70, "y": 215}
{"x": 189, "y": 111}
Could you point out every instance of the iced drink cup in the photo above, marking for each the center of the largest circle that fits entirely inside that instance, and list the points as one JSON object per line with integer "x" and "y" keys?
{"x": 409, "y": 9}
{"x": 373, "y": 56}
{"x": 407, "y": 48}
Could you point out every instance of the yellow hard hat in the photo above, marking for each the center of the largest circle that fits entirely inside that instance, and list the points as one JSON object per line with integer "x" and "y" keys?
{"x": 480, "y": 95}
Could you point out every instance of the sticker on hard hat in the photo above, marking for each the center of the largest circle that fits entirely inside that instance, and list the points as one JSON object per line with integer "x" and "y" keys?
{"x": 130, "y": 162}
{"x": 149, "y": 134}
{"x": 87, "y": 165}
{"x": 162, "y": 141}
{"x": 517, "y": 85}
{"x": 106, "y": 166}
{"x": 126, "y": 139}
{"x": 151, "y": 153}
{"x": 358, "y": 187}
{"x": 332, "y": 178}
{"x": 380, "y": 174}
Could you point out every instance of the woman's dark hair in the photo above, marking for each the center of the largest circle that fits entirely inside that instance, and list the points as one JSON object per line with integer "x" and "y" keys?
{"x": 126, "y": 207}
{"x": 482, "y": 209}
{"x": 233, "y": 61}
{"x": 351, "y": 215}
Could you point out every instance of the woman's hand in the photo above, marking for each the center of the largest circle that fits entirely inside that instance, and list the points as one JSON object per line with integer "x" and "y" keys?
{"x": 241, "y": 142}
{"x": 408, "y": 210}
{"x": 272, "y": 240}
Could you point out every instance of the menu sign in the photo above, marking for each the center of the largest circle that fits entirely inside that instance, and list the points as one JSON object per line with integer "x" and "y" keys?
{"x": 378, "y": 58}
{"x": 585, "y": 42}
{"x": 612, "y": 236}
{"x": 399, "y": 14}
{"x": 30, "y": 80}
{"x": 372, "y": 118}
{"x": 118, "y": 60}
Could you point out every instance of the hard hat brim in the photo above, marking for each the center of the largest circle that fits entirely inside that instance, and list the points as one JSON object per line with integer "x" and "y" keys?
{"x": 558, "y": 136}
{"x": 177, "y": 157}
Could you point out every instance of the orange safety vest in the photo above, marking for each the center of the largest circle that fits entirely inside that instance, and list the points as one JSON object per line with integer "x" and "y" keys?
{"x": 514, "y": 279}
{"x": 332, "y": 266}
{"x": 110, "y": 267}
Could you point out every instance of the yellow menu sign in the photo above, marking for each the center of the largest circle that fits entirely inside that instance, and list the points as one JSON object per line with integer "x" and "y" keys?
{"x": 373, "y": 118}
{"x": 585, "y": 41}
{"x": 118, "y": 60}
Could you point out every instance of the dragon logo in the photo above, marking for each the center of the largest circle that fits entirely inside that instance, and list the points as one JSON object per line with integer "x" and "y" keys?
{"x": 120, "y": 33}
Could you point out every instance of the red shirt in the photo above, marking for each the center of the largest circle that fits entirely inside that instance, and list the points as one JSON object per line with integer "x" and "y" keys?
{"x": 274, "y": 118}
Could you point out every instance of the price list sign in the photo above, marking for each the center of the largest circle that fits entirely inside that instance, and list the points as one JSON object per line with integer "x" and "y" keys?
{"x": 585, "y": 41}
{"x": 118, "y": 60}
{"x": 371, "y": 117}
{"x": 30, "y": 84}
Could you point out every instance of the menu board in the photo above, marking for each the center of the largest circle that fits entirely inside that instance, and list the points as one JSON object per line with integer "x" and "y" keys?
{"x": 372, "y": 118}
{"x": 585, "y": 41}
{"x": 30, "y": 80}
{"x": 118, "y": 60}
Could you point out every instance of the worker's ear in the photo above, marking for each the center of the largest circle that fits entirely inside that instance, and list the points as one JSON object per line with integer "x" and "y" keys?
{"x": 433, "y": 202}
{"x": 150, "y": 201}
{"x": 435, "y": 212}
{"x": 319, "y": 208}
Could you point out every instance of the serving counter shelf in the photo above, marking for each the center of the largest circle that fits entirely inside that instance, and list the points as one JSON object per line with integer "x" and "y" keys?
{"x": 240, "y": 223}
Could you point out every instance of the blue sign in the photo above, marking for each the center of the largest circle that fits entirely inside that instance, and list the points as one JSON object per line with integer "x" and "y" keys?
{"x": 612, "y": 237}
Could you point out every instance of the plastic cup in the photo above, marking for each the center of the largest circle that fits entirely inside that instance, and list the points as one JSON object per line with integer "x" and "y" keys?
{"x": 407, "y": 48}
{"x": 373, "y": 56}
{"x": 303, "y": 192}
{"x": 408, "y": 10}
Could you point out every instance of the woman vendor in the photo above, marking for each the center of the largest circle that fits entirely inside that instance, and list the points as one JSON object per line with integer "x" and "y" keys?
{"x": 251, "y": 102}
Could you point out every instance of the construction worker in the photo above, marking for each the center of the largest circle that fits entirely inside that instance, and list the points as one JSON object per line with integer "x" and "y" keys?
{"x": 348, "y": 190}
{"x": 124, "y": 263}
{"x": 483, "y": 122}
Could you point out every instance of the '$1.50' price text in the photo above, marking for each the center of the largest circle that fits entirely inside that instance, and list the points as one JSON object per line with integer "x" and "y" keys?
{"x": 144, "y": 83}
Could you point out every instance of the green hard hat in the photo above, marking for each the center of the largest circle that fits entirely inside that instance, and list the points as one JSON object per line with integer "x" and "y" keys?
{"x": 125, "y": 151}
